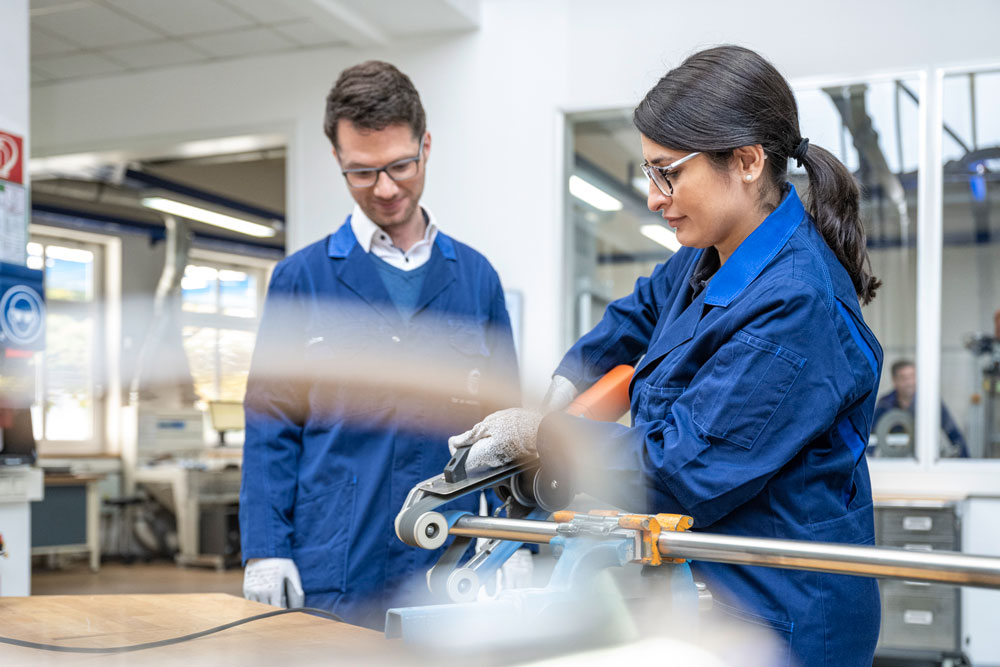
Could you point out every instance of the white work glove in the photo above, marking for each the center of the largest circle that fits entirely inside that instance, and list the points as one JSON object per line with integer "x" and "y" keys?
{"x": 509, "y": 434}
{"x": 502, "y": 437}
{"x": 273, "y": 581}
{"x": 518, "y": 571}
{"x": 560, "y": 394}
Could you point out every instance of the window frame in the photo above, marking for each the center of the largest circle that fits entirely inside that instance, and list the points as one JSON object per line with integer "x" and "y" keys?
{"x": 259, "y": 267}
{"x": 105, "y": 308}
{"x": 925, "y": 475}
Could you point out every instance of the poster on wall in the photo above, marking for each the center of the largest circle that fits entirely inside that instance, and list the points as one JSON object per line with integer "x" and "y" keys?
{"x": 13, "y": 221}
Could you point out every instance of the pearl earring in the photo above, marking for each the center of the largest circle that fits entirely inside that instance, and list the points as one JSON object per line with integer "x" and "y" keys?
{"x": 749, "y": 177}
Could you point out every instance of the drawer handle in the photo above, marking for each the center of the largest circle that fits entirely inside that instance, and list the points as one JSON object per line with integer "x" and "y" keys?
{"x": 918, "y": 547}
{"x": 918, "y": 617}
{"x": 922, "y": 523}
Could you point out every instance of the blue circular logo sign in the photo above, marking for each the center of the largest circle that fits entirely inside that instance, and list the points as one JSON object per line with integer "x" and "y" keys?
{"x": 21, "y": 315}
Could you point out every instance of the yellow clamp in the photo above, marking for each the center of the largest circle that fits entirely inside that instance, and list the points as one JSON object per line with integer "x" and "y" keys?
{"x": 651, "y": 526}
{"x": 648, "y": 525}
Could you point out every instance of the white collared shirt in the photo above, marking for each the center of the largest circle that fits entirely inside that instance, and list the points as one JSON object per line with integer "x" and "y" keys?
{"x": 372, "y": 239}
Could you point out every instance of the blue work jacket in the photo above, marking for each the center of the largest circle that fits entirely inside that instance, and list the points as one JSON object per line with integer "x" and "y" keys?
{"x": 328, "y": 458}
{"x": 751, "y": 407}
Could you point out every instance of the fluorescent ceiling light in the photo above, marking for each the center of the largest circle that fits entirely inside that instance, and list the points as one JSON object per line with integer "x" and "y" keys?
{"x": 228, "y": 145}
{"x": 661, "y": 235}
{"x": 81, "y": 165}
{"x": 208, "y": 217}
{"x": 593, "y": 195}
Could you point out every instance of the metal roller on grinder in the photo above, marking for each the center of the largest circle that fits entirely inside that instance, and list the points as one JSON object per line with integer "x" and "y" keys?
{"x": 523, "y": 483}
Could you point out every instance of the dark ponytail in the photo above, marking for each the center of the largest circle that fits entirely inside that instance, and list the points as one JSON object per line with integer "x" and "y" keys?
{"x": 726, "y": 97}
{"x": 832, "y": 201}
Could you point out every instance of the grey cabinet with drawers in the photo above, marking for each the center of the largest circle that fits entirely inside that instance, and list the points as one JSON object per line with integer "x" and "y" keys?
{"x": 918, "y": 617}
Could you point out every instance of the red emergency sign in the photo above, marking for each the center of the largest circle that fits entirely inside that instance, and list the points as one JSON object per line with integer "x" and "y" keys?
{"x": 11, "y": 158}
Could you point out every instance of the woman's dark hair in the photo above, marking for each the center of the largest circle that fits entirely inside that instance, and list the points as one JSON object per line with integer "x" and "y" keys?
{"x": 374, "y": 95}
{"x": 726, "y": 97}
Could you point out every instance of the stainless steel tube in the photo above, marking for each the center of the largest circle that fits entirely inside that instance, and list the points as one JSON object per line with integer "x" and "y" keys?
{"x": 945, "y": 567}
{"x": 942, "y": 567}
{"x": 521, "y": 530}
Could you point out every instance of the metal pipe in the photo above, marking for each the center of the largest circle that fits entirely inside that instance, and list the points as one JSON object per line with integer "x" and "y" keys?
{"x": 521, "y": 530}
{"x": 945, "y": 567}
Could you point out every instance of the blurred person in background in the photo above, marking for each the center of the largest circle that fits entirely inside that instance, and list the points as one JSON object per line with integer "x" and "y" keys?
{"x": 904, "y": 397}
{"x": 327, "y": 463}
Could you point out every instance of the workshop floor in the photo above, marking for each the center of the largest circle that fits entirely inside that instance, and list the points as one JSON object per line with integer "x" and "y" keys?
{"x": 138, "y": 577}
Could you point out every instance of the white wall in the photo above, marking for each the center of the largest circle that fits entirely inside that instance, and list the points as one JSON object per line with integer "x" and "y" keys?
{"x": 14, "y": 85}
{"x": 15, "y": 517}
{"x": 14, "y": 66}
{"x": 495, "y": 99}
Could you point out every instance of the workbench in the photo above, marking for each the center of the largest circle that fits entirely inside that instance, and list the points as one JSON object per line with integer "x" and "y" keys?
{"x": 185, "y": 491}
{"x": 66, "y": 520}
{"x": 19, "y": 486}
{"x": 118, "y": 620}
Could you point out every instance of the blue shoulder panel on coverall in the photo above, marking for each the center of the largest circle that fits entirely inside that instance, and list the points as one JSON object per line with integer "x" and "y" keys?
{"x": 328, "y": 462}
{"x": 751, "y": 404}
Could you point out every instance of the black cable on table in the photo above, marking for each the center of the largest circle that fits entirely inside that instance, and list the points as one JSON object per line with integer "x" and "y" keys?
{"x": 172, "y": 640}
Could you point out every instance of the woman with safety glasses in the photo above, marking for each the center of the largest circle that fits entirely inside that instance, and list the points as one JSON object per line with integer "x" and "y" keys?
{"x": 756, "y": 375}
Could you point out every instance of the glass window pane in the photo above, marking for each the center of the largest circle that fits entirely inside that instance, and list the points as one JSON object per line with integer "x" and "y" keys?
{"x": 238, "y": 293}
{"x": 69, "y": 274}
{"x": 615, "y": 238}
{"x": 970, "y": 341}
{"x": 68, "y": 377}
{"x": 200, "y": 345}
{"x": 199, "y": 289}
{"x": 872, "y": 128}
{"x": 235, "y": 350}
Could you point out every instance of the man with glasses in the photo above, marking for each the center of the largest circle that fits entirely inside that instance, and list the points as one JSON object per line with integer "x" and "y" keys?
{"x": 376, "y": 343}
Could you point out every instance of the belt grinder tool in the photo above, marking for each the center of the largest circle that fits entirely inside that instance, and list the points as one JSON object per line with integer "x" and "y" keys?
{"x": 527, "y": 490}
{"x": 590, "y": 543}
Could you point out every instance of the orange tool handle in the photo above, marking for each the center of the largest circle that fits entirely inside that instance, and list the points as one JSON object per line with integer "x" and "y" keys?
{"x": 607, "y": 399}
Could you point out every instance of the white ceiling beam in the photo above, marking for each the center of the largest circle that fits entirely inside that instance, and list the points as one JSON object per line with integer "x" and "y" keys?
{"x": 467, "y": 10}
{"x": 343, "y": 21}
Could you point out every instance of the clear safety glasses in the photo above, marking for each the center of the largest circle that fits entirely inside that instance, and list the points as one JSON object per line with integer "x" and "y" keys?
{"x": 660, "y": 176}
{"x": 400, "y": 170}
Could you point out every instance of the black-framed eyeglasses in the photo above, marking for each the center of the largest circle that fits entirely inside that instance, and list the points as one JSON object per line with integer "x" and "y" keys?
{"x": 660, "y": 176}
{"x": 400, "y": 170}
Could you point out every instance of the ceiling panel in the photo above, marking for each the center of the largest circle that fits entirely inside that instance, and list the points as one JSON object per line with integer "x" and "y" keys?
{"x": 42, "y": 6}
{"x": 94, "y": 27}
{"x": 183, "y": 17}
{"x": 46, "y": 44}
{"x": 110, "y": 36}
{"x": 78, "y": 65}
{"x": 40, "y": 75}
{"x": 155, "y": 54}
{"x": 243, "y": 43}
{"x": 413, "y": 16}
{"x": 266, "y": 11}
{"x": 307, "y": 33}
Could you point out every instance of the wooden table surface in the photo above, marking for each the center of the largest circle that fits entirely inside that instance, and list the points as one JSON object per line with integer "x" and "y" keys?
{"x": 102, "y": 621}
{"x": 67, "y": 479}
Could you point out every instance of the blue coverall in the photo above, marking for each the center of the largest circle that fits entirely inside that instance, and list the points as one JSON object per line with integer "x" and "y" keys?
{"x": 327, "y": 465}
{"x": 751, "y": 408}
